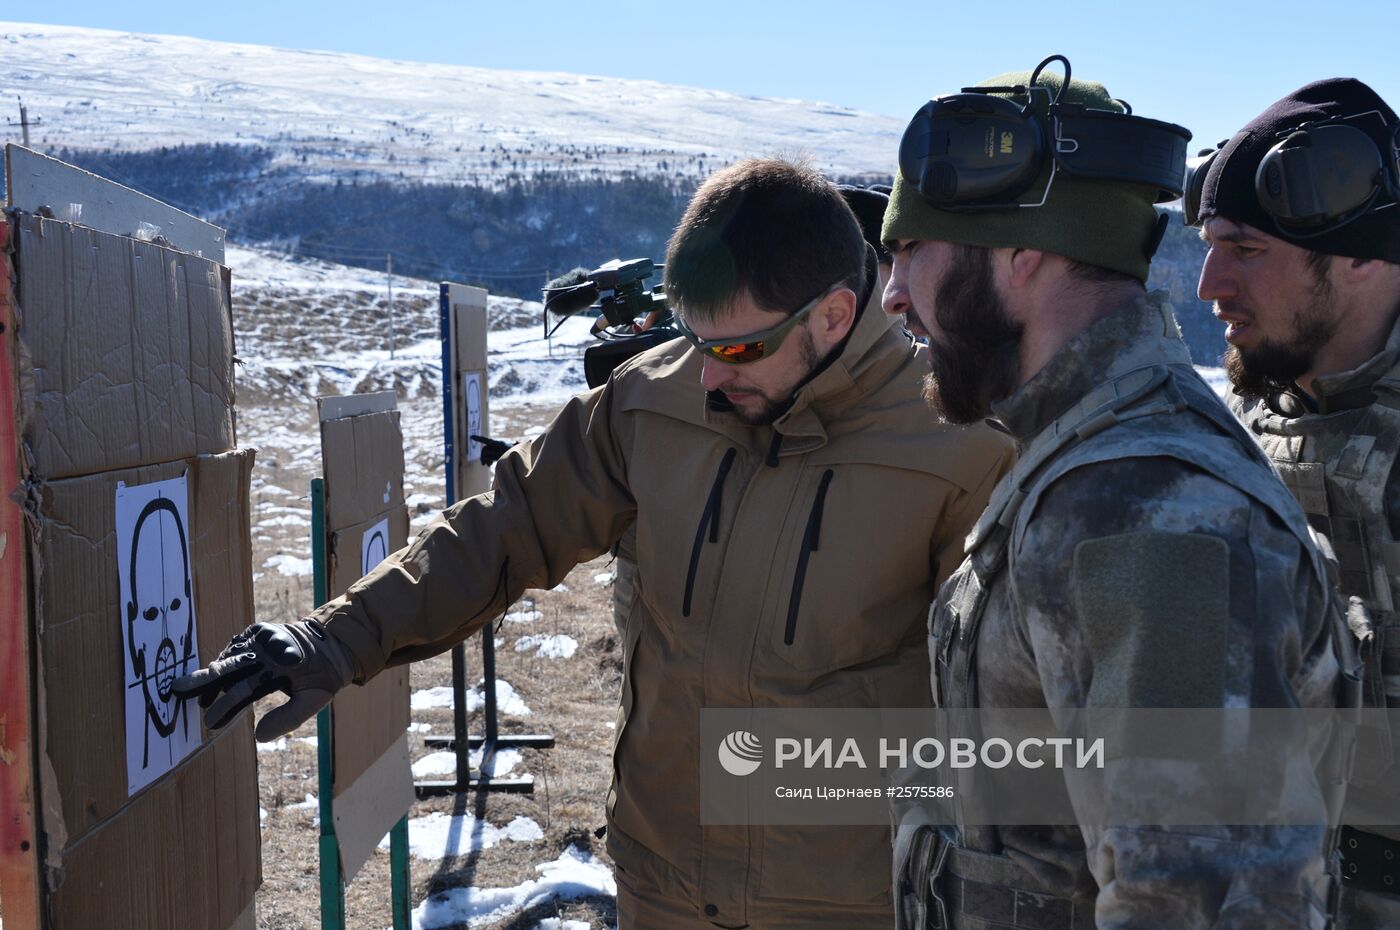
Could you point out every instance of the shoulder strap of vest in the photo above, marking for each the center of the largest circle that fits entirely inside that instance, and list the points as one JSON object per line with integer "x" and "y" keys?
{"x": 1094, "y": 412}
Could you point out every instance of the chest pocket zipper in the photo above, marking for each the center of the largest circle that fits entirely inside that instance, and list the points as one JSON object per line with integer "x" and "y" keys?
{"x": 709, "y": 520}
{"x": 811, "y": 540}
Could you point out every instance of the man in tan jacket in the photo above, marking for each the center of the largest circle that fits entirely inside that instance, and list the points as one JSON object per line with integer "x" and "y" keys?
{"x": 794, "y": 516}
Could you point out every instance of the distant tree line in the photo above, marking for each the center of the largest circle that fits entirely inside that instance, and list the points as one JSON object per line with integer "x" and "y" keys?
{"x": 506, "y": 237}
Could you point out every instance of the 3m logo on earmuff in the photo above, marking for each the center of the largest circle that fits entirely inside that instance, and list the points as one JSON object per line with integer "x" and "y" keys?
{"x": 978, "y": 151}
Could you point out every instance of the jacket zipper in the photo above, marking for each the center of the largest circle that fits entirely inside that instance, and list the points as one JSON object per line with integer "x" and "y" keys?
{"x": 709, "y": 520}
{"x": 811, "y": 541}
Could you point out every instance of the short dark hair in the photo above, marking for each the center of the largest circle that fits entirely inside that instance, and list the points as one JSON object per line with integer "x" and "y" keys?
{"x": 772, "y": 229}
{"x": 1319, "y": 263}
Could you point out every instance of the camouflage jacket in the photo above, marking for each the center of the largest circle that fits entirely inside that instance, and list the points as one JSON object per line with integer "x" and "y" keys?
{"x": 1337, "y": 452}
{"x": 1214, "y": 595}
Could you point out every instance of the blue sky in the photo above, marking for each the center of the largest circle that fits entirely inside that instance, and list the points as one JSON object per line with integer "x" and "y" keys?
{"x": 1209, "y": 66}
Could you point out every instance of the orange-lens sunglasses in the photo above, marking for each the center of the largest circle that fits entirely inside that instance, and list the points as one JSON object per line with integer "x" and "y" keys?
{"x": 754, "y": 346}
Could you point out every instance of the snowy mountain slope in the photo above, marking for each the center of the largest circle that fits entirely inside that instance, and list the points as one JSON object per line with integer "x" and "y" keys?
{"x": 336, "y": 115}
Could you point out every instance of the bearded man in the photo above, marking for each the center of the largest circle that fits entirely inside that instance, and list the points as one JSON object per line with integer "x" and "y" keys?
{"x": 1300, "y": 212}
{"x": 1141, "y": 554}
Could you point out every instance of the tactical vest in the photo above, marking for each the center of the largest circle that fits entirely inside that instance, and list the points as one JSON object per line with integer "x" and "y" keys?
{"x": 969, "y": 884}
{"x": 1338, "y": 465}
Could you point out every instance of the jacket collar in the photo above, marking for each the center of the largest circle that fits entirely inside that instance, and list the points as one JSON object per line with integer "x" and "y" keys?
{"x": 1343, "y": 390}
{"x": 1138, "y": 334}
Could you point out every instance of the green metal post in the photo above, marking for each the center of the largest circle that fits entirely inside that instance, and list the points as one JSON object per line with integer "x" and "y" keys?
{"x": 398, "y": 866}
{"x": 332, "y": 885}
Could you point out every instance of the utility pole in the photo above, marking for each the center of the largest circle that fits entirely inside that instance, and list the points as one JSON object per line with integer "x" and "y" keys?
{"x": 24, "y": 121}
{"x": 389, "y": 274}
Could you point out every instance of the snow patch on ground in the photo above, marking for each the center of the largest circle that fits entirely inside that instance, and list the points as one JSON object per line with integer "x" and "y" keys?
{"x": 443, "y": 836}
{"x": 428, "y": 698}
{"x": 554, "y": 923}
{"x": 548, "y": 647}
{"x": 523, "y": 616}
{"x": 508, "y": 702}
{"x": 276, "y": 745}
{"x": 605, "y": 578}
{"x": 311, "y": 803}
{"x": 285, "y": 564}
{"x": 445, "y": 763}
{"x": 575, "y": 874}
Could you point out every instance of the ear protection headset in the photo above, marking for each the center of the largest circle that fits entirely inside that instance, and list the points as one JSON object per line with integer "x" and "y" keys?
{"x": 154, "y": 506}
{"x": 1317, "y": 178}
{"x": 976, "y": 151}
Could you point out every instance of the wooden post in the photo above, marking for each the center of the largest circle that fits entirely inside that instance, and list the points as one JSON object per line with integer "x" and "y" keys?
{"x": 21, "y": 876}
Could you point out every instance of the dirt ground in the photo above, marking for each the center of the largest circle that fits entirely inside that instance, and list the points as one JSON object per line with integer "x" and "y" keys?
{"x": 573, "y": 699}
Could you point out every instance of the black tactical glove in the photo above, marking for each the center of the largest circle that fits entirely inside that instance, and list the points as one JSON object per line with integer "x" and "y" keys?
{"x": 298, "y": 659}
{"x": 491, "y": 449}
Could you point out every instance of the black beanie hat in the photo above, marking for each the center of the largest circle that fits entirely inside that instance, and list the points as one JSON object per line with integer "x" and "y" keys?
{"x": 868, "y": 204}
{"x": 1229, "y": 183}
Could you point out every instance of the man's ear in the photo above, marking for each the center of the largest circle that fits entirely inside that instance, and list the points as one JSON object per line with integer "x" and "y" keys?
{"x": 1363, "y": 270}
{"x": 835, "y": 317}
{"x": 1022, "y": 265}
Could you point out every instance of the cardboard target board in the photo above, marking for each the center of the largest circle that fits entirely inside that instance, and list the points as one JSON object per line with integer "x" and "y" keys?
{"x": 471, "y": 414}
{"x": 366, "y": 520}
{"x": 124, "y": 562}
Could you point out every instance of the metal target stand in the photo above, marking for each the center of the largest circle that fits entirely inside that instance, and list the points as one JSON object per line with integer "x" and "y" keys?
{"x": 461, "y": 741}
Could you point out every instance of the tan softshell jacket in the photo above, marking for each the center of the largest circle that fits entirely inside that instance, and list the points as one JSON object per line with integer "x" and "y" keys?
{"x": 783, "y": 566}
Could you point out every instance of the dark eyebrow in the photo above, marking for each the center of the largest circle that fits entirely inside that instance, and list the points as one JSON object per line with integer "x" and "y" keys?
{"x": 1233, "y": 235}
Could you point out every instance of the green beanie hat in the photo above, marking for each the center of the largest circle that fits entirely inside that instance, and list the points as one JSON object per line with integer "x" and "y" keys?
{"x": 1107, "y": 224}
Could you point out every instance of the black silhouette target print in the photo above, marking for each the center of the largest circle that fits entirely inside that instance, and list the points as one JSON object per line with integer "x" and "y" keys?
{"x": 158, "y": 625}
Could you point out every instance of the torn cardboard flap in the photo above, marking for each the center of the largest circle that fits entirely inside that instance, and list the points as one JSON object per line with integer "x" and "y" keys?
{"x": 80, "y": 617}
{"x": 128, "y": 349}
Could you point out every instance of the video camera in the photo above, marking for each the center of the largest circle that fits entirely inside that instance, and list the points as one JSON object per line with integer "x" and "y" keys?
{"x": 632, "y": 318}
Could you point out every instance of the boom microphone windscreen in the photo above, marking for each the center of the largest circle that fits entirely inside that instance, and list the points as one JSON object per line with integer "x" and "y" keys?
{"x": 569, "y": 293}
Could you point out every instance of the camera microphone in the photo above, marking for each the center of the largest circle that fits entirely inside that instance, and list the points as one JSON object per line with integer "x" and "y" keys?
{"x": 569, "y": 293}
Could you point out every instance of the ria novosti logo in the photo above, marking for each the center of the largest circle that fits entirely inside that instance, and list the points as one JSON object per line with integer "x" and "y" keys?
{"x": 741, "y": 753}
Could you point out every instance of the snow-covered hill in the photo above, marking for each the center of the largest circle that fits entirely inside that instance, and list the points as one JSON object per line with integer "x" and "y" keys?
{"x": 334, "y": 115}
{"x": 306, "y": 328}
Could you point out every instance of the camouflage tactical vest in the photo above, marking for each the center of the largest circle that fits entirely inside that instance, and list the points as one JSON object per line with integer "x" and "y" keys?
{"x": 1338, "y": 465}
{"x": 1061, "y": 447}
{"x": 968, "y": 857}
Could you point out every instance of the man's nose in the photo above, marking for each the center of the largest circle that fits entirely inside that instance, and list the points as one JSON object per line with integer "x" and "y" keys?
{"x": 713, "y": 374}
{"x": 1217, "y": 282}
{"x": 895, "y": 300}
